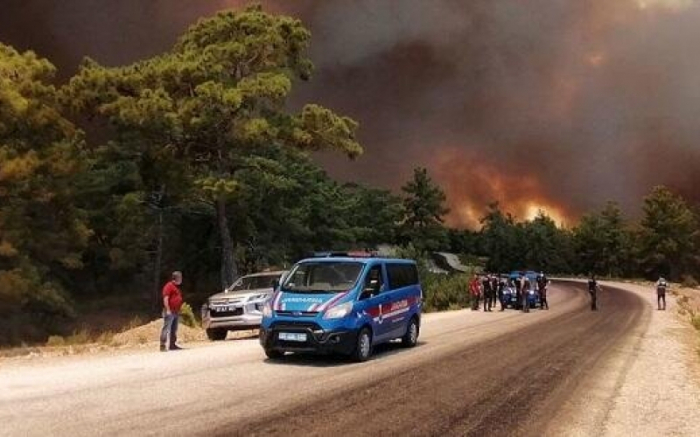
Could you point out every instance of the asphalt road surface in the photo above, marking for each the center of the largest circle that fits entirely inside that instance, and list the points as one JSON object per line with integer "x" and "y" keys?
{"x": 473, "y": 373}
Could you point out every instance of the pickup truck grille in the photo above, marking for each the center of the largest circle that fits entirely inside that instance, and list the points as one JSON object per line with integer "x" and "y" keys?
{"x": 235, "y": 312}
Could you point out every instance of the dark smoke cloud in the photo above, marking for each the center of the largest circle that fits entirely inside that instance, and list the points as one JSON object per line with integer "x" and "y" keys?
{"x": 546, "y": 103}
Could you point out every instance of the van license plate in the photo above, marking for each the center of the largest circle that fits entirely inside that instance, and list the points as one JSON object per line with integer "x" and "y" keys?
{"x": 292, "y": 336}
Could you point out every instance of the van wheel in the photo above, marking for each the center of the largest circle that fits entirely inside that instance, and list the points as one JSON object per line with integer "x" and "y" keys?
{"x": 410, "y": 338}
{"x": 274, "y": 354}
{"x": 363, "y": 347}
{"x": 216, "y": 334}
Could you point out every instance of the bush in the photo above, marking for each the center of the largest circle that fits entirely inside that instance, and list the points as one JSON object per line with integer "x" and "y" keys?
{"x": 446, "y": 292}
{"x": 688, "y": 281}
{"x": 55, "y": 341}
{"x": 695, "y": 320}
{"x": 187, "y": 316}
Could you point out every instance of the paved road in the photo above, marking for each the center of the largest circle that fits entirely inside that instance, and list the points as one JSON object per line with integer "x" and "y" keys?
{"x": 472, "y": 374}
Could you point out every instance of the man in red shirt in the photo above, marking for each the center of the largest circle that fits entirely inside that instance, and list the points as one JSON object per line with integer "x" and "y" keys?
{"x": 475, "y": 291}
{"x": 172, "y": 302}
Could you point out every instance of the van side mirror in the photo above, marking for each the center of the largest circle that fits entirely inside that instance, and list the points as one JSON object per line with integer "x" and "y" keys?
{"x": 275, "y": 284}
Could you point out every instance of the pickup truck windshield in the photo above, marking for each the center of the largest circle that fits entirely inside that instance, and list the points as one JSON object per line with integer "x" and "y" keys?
{"x": 323, "y": 277}
{"x": 254, "y": 283}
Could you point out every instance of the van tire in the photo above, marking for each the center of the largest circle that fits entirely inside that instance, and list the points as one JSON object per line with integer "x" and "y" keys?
{"x": 273, "y": 354}
{"x": 410, "y": 338}
{"x": 217, "y": 334}
{"x": 363, "y": 346}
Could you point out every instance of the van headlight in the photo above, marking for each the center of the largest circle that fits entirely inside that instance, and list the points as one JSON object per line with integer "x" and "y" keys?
{"x": 267, "y": 309}
{"x": 338, "y": 312}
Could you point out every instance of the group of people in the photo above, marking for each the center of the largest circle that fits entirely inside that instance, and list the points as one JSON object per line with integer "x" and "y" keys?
{"x": 661, "y": 286}
{"x": 490, "y": 288}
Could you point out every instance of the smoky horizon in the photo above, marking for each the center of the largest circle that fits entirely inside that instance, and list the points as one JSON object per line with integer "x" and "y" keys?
{"x": 552, "y": 105}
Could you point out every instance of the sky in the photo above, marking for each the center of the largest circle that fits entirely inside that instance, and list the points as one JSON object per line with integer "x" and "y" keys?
{"x": 547, "y": 104}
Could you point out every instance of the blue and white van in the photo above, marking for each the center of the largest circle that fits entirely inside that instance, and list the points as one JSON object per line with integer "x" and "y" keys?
{"x": 343, "y": 304}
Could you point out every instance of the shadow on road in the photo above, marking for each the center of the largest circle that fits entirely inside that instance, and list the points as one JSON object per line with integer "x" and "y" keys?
{"x": 311, "y": 360}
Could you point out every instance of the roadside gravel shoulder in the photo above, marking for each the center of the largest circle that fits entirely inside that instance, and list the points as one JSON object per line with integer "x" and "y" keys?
{"x": 650, "y": 386}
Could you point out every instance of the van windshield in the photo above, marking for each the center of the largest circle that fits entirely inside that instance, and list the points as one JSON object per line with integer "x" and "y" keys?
{"x": 323, "y": 277}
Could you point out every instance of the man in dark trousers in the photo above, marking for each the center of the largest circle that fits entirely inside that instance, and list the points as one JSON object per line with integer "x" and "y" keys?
{"x": 172, "y": 302}
{"x": 524, "y": 292}
{"x": 593, "y": 291}
{"x": 661, "y": 286}
{"x": 488, "y": 293}
{"x": 542, "y": 283}
{"x": 497, "y": 285}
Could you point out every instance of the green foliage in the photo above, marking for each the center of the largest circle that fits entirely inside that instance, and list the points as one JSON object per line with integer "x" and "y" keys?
{"x": 602, "y": 241}
{"x": 501, "y": 240}
{"x": 668, "y": 233}
{"x": 424, "y": 207}
{"x": 42, "y": 233}
{"x": 215, "y": 108}
{"x": 440, "y": 292}
{"x": 545, "y": 245}
{"x": 187, "y": 316}
{"x": 446, "y": 292}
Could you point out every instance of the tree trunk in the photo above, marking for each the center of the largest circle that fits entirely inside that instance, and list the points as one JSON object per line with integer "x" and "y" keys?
{"x": 229, "y": 271}
{"x": 157, "y": 298}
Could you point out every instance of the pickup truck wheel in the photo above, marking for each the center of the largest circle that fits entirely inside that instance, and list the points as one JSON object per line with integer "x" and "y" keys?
{"x": 363, "y": 347}
{"x": 274, "y": 354}
{"x": 216, "y": 334}
{"x": 410, "y": 339}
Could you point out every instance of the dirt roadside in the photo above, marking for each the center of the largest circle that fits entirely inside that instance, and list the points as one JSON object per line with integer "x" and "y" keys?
{"x": 649, "y": 386}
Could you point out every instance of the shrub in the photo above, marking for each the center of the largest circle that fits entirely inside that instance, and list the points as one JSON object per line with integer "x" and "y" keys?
{"x": 80, "y": 337}
{"x": 187, "y": 316}
{"x": 695, "y": 320}
{"x": 443, "y": 292}
{"x": 55, "y": 341}
{"x": 689, "y": 281}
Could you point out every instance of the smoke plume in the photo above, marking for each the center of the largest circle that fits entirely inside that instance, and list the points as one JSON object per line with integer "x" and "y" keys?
{"x": 545, "y": 104}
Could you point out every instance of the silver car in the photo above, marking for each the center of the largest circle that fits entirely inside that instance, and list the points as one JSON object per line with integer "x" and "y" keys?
{"x": 240, "y": 306}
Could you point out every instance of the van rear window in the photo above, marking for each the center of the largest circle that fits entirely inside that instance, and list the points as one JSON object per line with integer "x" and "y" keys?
{"x": 401, "y": 275}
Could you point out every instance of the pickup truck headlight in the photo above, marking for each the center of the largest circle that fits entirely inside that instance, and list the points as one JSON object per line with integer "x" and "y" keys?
{"x": 338, "y": 312}
{"x": 267, "y": 309}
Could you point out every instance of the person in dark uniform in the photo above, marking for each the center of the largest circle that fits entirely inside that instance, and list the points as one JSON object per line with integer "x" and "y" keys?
{"x": 501, "y": 298}
{"x": 486, "y": 287}
{"x": 517, "y": 282}
{"x": 593, "y": 291}
{"x": 494, "y": 290}
{"x": 524, "y": 290}
{"x": 542, "y": 283}
{"x": 661, "y": 286}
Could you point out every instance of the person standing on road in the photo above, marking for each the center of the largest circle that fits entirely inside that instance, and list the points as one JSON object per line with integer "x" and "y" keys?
{"x": 593, "y": 291}
{"x": 475, "y": 292}
{"x": 501, "y": 286}
{"x": 542, "y": 283}
{"x": 172, "y": 303}
{"x": 488, "y": 299}
{"x": 661, "y": 286}
{"x": 525, "y": 290}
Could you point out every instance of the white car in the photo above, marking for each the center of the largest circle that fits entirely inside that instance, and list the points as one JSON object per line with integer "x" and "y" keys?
{"x": 240, "y": 306}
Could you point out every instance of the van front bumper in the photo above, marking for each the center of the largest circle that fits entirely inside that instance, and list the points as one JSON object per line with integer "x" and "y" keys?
{"x": 318, "y": 340}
